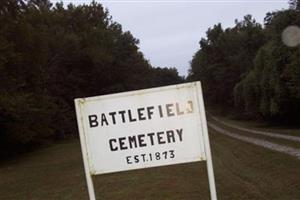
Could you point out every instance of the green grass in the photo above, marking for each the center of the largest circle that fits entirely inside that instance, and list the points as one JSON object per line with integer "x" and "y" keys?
{"x": 294, "y": 144}
{"x": 258, "y": 125}
{"x": 253, "y": 172}
{"x": 264, "y": 126}
{"x": 55, "y": 172}
{"x": 242, "y": 172}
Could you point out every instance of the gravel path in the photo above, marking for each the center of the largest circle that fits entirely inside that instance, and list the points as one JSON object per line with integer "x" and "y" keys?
{"x": 269, "y": 134}
{"x": 259, "y": 142}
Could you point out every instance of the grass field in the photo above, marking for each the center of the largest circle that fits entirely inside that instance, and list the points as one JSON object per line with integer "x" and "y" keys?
{"x": 257, "y": 125}
{"x": 294, "y": 144}
{"x": 242, "y": 171}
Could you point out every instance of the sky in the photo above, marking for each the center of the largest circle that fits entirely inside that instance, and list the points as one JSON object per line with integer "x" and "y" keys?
{"x": 169, "y": 31}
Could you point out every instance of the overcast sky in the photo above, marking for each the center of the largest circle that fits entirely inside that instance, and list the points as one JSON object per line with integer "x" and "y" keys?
{"x": 170, "y": 31}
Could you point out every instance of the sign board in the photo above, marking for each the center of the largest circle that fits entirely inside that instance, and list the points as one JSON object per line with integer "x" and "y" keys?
{"x": 143, "y": 128}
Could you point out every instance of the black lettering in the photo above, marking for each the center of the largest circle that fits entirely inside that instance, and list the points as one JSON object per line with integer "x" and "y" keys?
{"x": 93, "y": 121}
{"x": 160, "y": 138}
{"x": 179, "y": 132}
{"x": 141, "y": 140}
{"x": 157, "y": 156}
{"x": 132, "y": 140}
{"x": 150, "y": 156}
{"x": 103, "y": 119}
{"x": 113, "y": 114}
{"x": 165, "y": 153}
{"x": 122, "y": 112}
{"x": 170, "y": 135}
{"x": 143, "y": 156}
{"x": 136, "y": 158}
{"x": 169, "y": 110}
{"x": 130, "y": 116}
{"x": 160, "y": 111}
{"x": 151, "y": 135}
{"x": 111, "y": 145}
{"x": 150, "y": 112}
{"x": 122, "y": 143}
{"x": 127, "y": 159}
{"x": 141, "y": 114}
{"x": 172, "y": 154}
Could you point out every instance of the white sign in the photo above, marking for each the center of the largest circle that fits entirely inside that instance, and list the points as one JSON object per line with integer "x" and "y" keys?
{"x": 143, "y": 128}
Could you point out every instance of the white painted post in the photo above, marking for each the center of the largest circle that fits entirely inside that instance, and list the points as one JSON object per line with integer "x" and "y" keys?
{"x": 88, "y": 175}
{"x": 209, "y": 165}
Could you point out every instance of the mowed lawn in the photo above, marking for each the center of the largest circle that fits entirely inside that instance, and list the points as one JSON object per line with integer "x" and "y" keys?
{"x": 242, "y": 171}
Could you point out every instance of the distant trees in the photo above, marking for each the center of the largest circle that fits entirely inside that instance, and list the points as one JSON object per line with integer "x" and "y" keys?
{"x": 50, "y": 55}
{"x": 224, "y": 57}
{"x": 272, "y": 87}
{"x": 165, "y": 76}
{"x": 248, "y": 69}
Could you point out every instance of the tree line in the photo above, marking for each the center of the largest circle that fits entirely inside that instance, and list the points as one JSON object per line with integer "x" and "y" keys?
{"x": 249, "y": 71}
{"x": 51, "y": 54}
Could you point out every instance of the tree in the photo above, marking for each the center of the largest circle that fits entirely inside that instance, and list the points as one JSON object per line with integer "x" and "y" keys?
{"x": 51, "y": 54}
{"x": 275, "y": 77}
{"x": 225, "y": 57}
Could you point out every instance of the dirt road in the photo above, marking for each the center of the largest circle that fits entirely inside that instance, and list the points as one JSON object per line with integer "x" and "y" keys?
{"x": 249, "y": 136}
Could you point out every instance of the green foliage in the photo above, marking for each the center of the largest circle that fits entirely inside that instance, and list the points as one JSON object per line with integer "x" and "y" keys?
{"x": 276, "y": 74}
{"x": 248, "y": 69}
{"x": 24, "y": 116}
{"x": 50, "y": 55}
{"x": 224, "y": 57}
{"x": 165, "y": 76}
